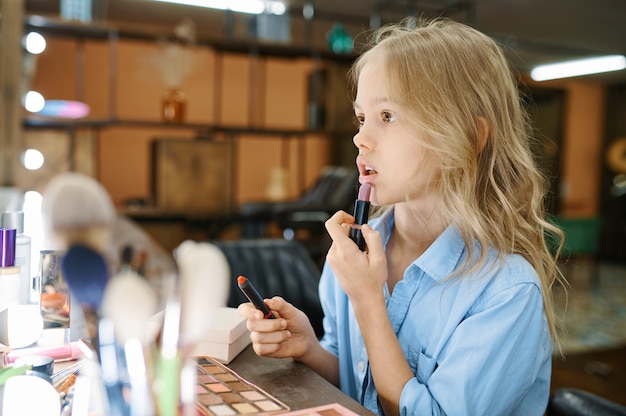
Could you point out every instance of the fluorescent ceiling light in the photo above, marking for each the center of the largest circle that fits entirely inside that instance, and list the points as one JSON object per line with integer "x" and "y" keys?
{"x": 578, "y": 67}
{"x": 243, "y": 6}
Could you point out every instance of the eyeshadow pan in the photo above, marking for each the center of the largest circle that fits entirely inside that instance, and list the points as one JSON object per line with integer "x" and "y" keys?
{"x": 222, "y": 410}
{"x": 213, "y": 369}
{"x": 267, "y": 405}
{"x": 217, "y": 387}
{"x": 253, "y": 395}
{"x": 225, "y": 377}
{"x": 238, "y": 386}
{"x": 230, "y": 398}
{"x": 329, "y": 412}
{"x": 206, "y": 378}
{"x": 245, "y": 408}
{"x": 209, "y": 399}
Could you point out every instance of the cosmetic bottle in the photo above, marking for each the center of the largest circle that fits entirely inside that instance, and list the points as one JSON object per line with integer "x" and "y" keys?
{"x": 15, "y": 220}
{"x": 9, "y": 272}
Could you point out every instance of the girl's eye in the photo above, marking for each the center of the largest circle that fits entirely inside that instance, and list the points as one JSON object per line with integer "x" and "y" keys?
{"x": 388, "y": 117}
{"x": 359, "y": 120}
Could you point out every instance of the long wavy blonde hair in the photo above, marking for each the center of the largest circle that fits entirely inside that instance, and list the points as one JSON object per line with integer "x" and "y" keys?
{"x": 454, "y": 81}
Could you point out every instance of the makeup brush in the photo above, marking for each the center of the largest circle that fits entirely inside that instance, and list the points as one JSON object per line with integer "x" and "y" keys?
{"x": 126, "y": 258}
{"x": 204, "y": 279}
{"x": 77, "y": 210}
{"x": 167, "y": 384}
{"x": 129, "y": 303}
{"x": 87, "y": 275}
{"x": 205, "y": 283}
{"x": 78, "y": 213}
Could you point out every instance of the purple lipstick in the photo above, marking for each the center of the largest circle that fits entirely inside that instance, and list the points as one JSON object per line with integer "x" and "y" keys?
{"x": 361, "y": 214}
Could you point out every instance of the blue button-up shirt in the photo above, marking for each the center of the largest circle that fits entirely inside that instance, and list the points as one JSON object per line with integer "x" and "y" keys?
{"x": 478, "y": 344}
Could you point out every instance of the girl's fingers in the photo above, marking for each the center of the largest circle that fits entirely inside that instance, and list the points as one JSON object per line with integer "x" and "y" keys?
{"x": 375, "y": 250}
{"x": 338, "y": 224}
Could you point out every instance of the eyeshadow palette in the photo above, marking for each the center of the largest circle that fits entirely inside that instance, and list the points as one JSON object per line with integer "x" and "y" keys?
{"x": 222, "y": 392}
{"x": 334, "y": 409}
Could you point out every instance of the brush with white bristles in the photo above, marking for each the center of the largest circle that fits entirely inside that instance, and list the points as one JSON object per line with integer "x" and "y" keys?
{"x": 78, "y": 210}
{"x": 204, "y": 278}
{"x": 202, "y": 287}
{"x": 79, "y": 214}
{"x": 130, "y": 303}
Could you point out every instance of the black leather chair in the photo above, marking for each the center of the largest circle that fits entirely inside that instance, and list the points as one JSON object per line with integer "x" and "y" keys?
{"x": 335, "y": 189}
{"x": 303, "y": 219}
{"x": 575, "y": 402}
{"x": 276, "y": 267}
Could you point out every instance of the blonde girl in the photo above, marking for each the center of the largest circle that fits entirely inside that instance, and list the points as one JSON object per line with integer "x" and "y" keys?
{"x": 449, "y": 310}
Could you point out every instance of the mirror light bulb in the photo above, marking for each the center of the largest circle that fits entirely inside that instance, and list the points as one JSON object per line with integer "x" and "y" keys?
{"x": 34, "y": 101}
{"x": 35, "y": 43}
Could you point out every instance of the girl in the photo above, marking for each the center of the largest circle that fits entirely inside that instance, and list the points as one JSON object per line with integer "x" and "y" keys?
{"x": 449, "y": 310}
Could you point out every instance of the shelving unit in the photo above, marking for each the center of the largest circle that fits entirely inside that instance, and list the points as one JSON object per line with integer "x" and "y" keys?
{"x": 292, "y": 150}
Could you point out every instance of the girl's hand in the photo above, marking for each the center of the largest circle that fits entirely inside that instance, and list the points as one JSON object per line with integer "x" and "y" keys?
{"x": 289, "y": 335}
{"x": 360, "y": 274}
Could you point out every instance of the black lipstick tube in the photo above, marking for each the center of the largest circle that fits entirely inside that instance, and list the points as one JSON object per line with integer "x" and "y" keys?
{"x": 361, "y": 215}
{"x": 253, "y": 296}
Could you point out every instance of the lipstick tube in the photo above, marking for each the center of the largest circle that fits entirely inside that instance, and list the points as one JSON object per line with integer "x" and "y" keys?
{"x": 64, "y": 352}
{"x": 253, "y": 296}
{"x": 361, "y": 215}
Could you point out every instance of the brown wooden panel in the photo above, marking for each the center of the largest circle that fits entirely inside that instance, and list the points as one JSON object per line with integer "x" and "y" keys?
{"x": 194, "y": 175}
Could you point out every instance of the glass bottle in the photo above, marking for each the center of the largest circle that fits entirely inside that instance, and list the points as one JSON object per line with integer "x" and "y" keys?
{"x": 174, "y": 105}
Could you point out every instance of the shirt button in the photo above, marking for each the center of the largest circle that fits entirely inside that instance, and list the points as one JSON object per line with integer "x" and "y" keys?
{"x": 361, "y": 366}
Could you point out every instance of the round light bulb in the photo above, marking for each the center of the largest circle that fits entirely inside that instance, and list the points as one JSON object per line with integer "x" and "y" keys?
{"x": 35, "y": 43}
{"x": 34, "y": 101}
{"x": 32, "y": 159}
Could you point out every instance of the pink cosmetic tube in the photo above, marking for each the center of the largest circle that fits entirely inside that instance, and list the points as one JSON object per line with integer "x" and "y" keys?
{"x": 65, "y": 352}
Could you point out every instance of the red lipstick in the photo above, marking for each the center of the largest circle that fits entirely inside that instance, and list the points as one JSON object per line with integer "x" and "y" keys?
{"x": 361, "y": 215}
{"x": 253, "y": 296}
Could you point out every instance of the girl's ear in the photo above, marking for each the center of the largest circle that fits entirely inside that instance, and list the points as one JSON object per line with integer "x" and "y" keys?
{"x": 483, "y": 134}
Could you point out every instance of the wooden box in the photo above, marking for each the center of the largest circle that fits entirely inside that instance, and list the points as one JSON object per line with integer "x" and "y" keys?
{"x": 192, "y": 175}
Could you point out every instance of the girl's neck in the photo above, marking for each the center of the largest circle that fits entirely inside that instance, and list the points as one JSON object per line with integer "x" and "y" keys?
{"x": 412, "y": 234}
{"x": 414, "y": 231}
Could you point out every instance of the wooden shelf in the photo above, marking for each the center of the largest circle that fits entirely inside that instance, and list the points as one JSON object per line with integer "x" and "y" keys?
{"x": 207, "y": 128}
{"x": 101, "y": 30}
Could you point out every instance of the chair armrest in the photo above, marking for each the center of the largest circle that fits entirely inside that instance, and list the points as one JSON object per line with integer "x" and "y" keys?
{"x": 575, "y": 402}
{"x": 302, "y": 218}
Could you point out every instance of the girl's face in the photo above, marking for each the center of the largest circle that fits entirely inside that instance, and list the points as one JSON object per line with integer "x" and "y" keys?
{"x": 389, "y": 153}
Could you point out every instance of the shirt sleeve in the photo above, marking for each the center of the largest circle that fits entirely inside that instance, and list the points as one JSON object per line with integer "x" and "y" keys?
{"x": 328, "y": 301}
{"x": 490, "y": 363}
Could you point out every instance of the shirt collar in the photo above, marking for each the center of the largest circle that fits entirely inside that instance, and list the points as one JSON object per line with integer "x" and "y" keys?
{"x": 443, "y": 255}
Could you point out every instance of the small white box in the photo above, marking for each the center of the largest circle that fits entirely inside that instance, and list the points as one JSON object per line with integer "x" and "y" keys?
{"x": 226, "y": 338}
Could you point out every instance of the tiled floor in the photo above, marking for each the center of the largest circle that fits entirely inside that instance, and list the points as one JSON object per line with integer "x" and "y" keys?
{"x": 595, "y": 318}
{"x": 594, "y": 307}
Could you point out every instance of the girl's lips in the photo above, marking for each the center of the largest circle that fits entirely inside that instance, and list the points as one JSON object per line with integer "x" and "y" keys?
{"x": 365, "y": 168}
{"x": 365, "y": 177}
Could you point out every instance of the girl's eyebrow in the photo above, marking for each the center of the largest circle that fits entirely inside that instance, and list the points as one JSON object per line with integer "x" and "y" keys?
{"x": 377, "y": 101}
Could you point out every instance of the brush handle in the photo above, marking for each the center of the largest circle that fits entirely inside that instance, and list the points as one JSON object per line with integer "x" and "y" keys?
{"x": 169, "y": 376}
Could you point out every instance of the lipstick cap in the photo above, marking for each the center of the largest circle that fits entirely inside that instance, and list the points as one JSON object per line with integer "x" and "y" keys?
{"x": 7, "y": 247}
{"x": 13, "y": 219}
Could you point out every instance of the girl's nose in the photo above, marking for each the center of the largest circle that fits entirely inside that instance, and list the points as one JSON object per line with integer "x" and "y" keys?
{"x": 361, "y": 140}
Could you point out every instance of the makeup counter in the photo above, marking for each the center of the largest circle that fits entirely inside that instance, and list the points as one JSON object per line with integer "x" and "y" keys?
{"x": 249, "y": 384}
{"x": 230, "y": 378}
{"x": 135, "y": 340}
